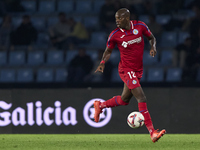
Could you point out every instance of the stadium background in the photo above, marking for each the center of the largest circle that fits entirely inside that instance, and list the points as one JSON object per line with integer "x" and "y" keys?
{"x": 173, "y": 100}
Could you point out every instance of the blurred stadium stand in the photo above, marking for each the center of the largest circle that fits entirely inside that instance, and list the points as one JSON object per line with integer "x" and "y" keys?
{"x": 65, "y": 6}
{"x": 45, "y": 75}
{"x": 166, "y": 58}
{"x": 30, "y": 6}
{"x": 35, "y": 58}
{"x": 155, "y": 75}
{"x": 46, "y": 6}
{"x": 174, "y": 75}
{"x": 55, "y": 58}
{"x": 25, "y": 75}
{"x": 8, "y": 75}
{"x": 61, "y": 75}
{"x": 40, "y": 64}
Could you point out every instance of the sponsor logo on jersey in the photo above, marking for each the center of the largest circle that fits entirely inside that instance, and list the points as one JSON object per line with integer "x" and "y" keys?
{"x": 137, "y": 40}
{"x": 124, "y": 44}
{"x": 135, "y": 31}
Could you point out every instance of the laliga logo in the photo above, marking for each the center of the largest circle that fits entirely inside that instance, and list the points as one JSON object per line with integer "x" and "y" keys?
{"x": 88, "y": 114}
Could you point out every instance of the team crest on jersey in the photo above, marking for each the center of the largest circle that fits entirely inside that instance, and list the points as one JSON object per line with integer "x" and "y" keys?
{"x": 135, "y": 31}
{"x": 134, "y": 81}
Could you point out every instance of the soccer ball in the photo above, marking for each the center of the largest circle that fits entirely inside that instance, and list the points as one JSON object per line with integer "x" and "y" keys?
{"x": 135, "y": 119}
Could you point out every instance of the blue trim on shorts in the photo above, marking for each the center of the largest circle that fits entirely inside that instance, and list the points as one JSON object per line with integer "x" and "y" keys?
{"x": 128, "y": 82}
{"x": 143, "y": 110}
{"x": 116, "y": 100}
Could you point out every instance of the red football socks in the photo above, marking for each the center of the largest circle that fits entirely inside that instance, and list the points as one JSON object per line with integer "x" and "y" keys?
{"x": 113, "y": 102}
{"x": 117, "y": 101}
{"x": 147, "y": 118}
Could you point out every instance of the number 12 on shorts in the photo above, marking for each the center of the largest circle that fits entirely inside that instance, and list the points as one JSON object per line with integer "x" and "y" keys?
{"x": 131, "y": 74}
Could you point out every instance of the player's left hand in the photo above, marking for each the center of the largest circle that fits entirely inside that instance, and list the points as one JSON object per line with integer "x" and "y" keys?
{"x": 153, "y": 52}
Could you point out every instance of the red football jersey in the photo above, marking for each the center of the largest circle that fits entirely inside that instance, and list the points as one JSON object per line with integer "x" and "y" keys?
{"x": 130, "y": 44}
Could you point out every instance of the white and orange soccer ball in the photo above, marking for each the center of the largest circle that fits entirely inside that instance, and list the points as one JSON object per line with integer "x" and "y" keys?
{"x": 135, "y": 119}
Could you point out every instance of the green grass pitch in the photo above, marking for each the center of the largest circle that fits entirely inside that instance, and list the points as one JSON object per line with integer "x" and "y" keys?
{"x": 98, "y": 142}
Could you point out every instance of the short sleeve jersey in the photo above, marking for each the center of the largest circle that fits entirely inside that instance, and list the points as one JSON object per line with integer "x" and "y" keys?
{"x": 130, "y": 44}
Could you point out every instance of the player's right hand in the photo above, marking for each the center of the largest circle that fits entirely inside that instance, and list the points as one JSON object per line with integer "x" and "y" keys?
{"x": 100, "y": 68}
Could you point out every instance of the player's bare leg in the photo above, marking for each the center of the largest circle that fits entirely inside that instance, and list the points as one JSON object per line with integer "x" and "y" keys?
{"x": 126, "y": 94}
{"x": 113, "y": 102}
{"x": 141, "y": 98}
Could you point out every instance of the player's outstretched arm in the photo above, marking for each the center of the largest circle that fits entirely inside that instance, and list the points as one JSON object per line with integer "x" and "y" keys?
{"x": 105, "y": 58}
{"x": 152, "y": 41}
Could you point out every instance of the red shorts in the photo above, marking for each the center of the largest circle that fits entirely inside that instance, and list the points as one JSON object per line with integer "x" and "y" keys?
{"x": 130, "y": 77}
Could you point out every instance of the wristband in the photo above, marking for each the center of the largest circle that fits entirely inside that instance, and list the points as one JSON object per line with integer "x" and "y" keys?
{"x": 102, "y": 62}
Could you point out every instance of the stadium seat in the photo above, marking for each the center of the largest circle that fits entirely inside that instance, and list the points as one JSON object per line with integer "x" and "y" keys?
{"x": 65, "y": 6}
{"x": 45, "y": 75}
{"x": 144, "y": 18}
{"x": 78, "y": 18}
{"x": 115, "y": 57}
{"x": 115, "y": 76}
{"x": 155, "y": 75}
{"x": 29, "y": 6}
{"x": 174, "y": 75}
{"x": 98, "y": 40}
{"x": 25, "y": 75}
{"x": 61, "y": 75}
{"x": 91, "y": 22}
{"x": 198, "y": 75}
{"x": 17, "y": 58}
{"x": 39, "y": 23}
{"x": 55, "y": 57}
{"x": 143, "y": 79}
{"x": 8, "y": 75}
{"x": 3, "y": 58}
{"x": 46, "y": 6}
{"x": 93, "y": 54}
{"x": 182, "y": 36}
{"x": 42, "y": 40}
{"x": 96, "y": 78}
{"x": 169, "y": 39}
{"x": 83, "y": 7}
{"x": 163, "y": 19}
{"x": 51, "y": 21}
{"x": 35, "y": 58}
{"x": 97, "y": 5}
{"x": 1, "y": 19}
{"x": 16, "y": 21}
{"x": 70, "y": 55}
{"x": 166, "y": 58}
{"x": 148, "y": 60}
{"x": 187, "y": 3}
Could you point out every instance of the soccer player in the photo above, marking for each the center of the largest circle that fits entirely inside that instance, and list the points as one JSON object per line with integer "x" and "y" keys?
{"x": 128, "y": 36}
